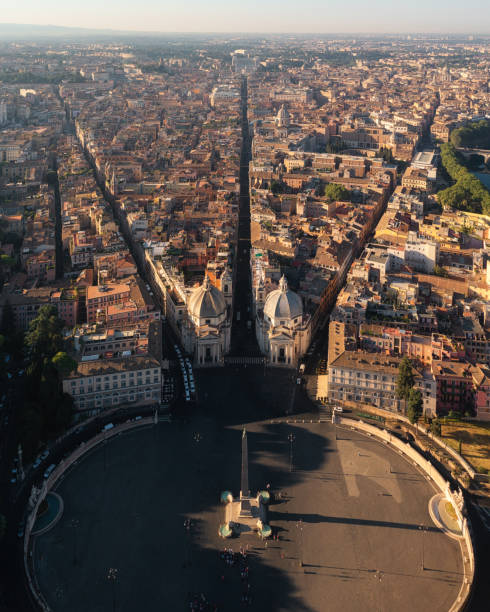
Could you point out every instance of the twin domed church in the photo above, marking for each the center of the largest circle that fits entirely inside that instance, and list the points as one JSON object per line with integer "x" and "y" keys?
{"x": 281, "y": 327}
{"x": 207, "y": 332}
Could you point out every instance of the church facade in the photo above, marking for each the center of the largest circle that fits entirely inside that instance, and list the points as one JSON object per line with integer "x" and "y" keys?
{"x": 206, "y": 331}
{"x": 282, "y": 329}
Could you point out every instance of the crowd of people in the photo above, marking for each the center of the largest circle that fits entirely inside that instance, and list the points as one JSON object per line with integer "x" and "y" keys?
{"x": 239, "y": 560}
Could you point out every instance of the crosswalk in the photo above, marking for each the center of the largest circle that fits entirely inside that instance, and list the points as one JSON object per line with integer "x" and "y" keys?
{"x": 325, "y": 412}
{"x": 244, "y": 360}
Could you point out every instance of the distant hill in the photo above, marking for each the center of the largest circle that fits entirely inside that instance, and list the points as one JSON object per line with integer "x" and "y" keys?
{"x": 23, "y": 31}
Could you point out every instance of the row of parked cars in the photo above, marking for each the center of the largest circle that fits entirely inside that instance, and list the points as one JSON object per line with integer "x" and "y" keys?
{"x": 187, "y": 374}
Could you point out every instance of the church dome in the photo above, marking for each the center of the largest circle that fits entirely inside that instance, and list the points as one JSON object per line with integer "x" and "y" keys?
{"x": 283, "y": 303}
{"x": 283, "y": 118}
{"x": 206, "y": 302}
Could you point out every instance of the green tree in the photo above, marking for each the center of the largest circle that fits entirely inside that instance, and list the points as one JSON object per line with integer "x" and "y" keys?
{"x": 468, "y": 192}
{"x": 435, "y": 427}
{"x": 415, "y": 405}
{"x": 387, "y": 155}
{"x": 475, "y": 134}
{"x": 334, "y": 146}
{"x": 405, "y": 380}
{"x": 5, "y": 260}
{"x": 440, "y": 271}
{"x": 336, "y": 193}
{"x": 44, "y": 337}
{"x": 475, "y": 161}
{"x": 63, "y": 363}
{"x": 276, "y": 187}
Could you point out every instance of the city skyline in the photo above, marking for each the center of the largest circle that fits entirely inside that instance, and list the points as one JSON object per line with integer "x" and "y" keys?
{"x": 315, "y": 16}
{"x": 207, "y": 234}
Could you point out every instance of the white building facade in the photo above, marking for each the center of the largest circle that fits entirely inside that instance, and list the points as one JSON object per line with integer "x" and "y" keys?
{"x": 282, "y": 329}
{"x": 206, "y": 332}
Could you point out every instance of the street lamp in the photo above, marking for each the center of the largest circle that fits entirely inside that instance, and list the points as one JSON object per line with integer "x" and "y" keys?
{"x": 75, "y": 523}
{"x": 299, "y": 526}
{"x": 112, "y": 576}
{"x": 291, "y": 439}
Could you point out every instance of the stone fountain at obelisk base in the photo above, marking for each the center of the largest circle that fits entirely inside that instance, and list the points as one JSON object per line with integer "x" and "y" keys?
{"x": 247, "y": 514}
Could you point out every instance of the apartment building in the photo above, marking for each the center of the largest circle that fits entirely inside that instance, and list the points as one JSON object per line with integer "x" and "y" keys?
{"x": 101, "y": 297}
{"x": 100, "y": 384}
{"x": 369, "y": 378}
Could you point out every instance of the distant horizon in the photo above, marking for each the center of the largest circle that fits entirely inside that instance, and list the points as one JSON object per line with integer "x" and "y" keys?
{"x": 394, "y": 33}
{"x": 378, "y": 17}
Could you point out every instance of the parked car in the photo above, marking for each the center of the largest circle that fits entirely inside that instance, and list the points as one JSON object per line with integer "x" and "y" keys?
{"x": 48, "y": 471}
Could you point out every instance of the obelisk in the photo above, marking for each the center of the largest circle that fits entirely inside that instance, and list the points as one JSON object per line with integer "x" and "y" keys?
{"x": 244, "y": 490}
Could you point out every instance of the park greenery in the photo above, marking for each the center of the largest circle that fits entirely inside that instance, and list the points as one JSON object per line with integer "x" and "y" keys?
{"x": 475, "y": 135}
{"x": 468, "y": 193}
{"x": 336, "y": 193}
{"x": 46, "y": 410}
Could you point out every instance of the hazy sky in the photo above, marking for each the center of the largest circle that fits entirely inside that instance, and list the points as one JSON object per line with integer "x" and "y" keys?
{"x": 455, "y": 16}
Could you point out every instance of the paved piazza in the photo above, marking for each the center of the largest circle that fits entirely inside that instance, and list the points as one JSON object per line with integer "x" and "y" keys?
{"x": 359, "y": 503}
